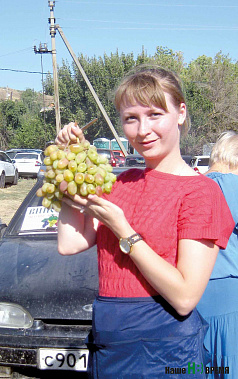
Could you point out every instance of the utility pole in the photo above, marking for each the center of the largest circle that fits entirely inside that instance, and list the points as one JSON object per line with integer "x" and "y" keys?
{"x": 92, "y": 90}
{"x": 43, "y": 49}
{"x": 51, "y": 4}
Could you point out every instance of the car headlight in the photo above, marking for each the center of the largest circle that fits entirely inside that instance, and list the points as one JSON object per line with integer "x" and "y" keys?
{"x": 14, "y": 316}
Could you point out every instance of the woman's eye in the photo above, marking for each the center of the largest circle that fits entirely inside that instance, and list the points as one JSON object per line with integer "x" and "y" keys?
{"x": 156, "y": 114}
{"x": 129, "y": 118}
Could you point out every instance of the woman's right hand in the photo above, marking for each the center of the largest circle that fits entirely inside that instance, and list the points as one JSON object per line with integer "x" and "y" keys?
{"x": 70, "y": 133}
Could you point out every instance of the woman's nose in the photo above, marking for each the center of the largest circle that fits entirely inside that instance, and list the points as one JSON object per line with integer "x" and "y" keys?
{"x": 144, "y": 127}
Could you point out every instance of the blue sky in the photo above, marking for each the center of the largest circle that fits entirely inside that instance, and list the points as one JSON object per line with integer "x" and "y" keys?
{"x": 194, "y": 27}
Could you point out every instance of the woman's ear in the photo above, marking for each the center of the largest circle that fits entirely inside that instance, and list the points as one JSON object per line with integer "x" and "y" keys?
{"x": 182, "y": 113}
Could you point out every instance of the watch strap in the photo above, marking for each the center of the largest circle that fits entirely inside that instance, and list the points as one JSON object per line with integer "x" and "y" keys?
{"x": 134, "y": 238}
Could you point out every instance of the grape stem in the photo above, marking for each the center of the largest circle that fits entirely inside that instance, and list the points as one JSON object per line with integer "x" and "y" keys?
{"x": 88, "y": 124}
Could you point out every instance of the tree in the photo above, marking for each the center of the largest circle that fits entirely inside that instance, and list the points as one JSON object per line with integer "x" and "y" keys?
{"x": 31, "y": 101}
{"x": 211, "y": 90}
{"x": 30, "y": 134}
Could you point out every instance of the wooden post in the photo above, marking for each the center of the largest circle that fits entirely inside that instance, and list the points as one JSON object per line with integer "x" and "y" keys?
{"x": 92, "y": 90}
{"x": 55, "y": 74}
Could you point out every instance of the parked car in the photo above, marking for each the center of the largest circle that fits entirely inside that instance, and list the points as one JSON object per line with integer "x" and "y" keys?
{"x": 120, "y": 155}
{"x": 8, "y": 170}
{"x": 200, "y": 163}
{"x": 28, "y": 164}
{"x": 134, "y": 160}
{"x": 45, "y": 298}
{"x": 41, "y": 171}
{"x": 12, "y": 152}
{"x": 119, "y": 161}
{"x": 109, "y": 154}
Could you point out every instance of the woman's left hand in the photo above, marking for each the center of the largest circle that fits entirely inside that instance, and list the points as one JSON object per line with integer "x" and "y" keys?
{"x": 103, "y": 210}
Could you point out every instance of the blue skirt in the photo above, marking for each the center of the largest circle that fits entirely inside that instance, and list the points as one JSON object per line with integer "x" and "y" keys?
{"x": 145, "y": 338}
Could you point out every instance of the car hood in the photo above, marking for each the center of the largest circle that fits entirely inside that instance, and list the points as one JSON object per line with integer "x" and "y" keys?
{"x": 50, "y": 286}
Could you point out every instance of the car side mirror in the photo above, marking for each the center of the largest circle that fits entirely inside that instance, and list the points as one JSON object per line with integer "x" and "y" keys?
{"x": 13, "y": 161}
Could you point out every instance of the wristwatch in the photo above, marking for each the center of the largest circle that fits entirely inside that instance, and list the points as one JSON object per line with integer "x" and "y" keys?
{"x": 126, "y": 244}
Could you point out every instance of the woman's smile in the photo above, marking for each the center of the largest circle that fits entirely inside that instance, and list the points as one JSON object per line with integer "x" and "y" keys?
{"x": 148, "y": 144}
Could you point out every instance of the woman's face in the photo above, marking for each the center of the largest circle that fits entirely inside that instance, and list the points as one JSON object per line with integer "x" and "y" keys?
{"x": 153, "y": 132}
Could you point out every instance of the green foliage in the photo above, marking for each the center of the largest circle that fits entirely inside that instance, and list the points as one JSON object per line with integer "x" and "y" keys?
{"x": 30, "y": 135}
{"x": 166, "y": 58}
{"x": 31, "y": 101}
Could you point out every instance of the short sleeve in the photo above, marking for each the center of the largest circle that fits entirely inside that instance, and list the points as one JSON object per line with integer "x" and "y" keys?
{"x": 204, "y": 214}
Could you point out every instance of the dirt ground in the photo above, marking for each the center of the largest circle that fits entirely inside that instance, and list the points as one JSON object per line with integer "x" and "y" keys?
{"x": 12, "y": 196}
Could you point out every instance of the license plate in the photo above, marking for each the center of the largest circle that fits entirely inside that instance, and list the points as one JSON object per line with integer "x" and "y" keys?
{"x": 63, "y": 359}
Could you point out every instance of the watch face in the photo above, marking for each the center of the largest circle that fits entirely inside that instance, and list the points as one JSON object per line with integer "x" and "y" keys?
{"x": 125, "y": 246}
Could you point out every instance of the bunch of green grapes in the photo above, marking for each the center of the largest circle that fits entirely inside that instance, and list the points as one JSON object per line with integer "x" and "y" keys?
{"x": 79, "y": 169}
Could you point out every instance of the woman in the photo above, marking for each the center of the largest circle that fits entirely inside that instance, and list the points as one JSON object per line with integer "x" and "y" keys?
{"x": 158, "y": 234}
{"x": 219, "y": 305}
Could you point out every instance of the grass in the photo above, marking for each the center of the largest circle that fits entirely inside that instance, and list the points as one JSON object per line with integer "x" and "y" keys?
{"x": 11, "y": 198}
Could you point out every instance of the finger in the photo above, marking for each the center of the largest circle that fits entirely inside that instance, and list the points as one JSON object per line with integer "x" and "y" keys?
{"x": 70, "y": 202}
{"x": 77, "y": 199}
{"x": 69, "y": 133}
{"x": 63, "y": 136}
{"x": 97, "y": 200}
{"x": 72, "y": 132}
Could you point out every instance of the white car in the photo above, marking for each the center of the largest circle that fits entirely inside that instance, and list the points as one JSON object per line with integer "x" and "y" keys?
{"x": 28, "y": 164}
{"x": 200, "y": 163}
{"x": 8, "y": 171}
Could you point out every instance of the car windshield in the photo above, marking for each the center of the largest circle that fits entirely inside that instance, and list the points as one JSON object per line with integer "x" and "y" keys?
{"x": 11, "y": 154}
{"x": 26, "y": 156}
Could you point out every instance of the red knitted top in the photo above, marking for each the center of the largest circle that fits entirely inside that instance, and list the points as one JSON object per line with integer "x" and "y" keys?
{"x": 163, "y": 208}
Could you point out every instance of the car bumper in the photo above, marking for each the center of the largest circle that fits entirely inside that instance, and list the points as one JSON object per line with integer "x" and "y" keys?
{"x": 28, "y": 173}
{"x": 20, "y": 347}
{"x": 18, "y": 357}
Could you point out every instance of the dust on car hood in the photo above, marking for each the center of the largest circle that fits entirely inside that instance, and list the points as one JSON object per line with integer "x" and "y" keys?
{"x": 48, "y": 285}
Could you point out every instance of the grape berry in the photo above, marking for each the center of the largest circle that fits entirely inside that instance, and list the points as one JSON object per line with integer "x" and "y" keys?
{"x": 77, "y": 169}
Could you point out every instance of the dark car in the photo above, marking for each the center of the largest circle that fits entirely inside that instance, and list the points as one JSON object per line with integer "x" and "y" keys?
{"x": 187, "y": 159}
{"x": 138, "y": 161}
{"x": 45, "y": 298}
{"x": 135, "y": 160}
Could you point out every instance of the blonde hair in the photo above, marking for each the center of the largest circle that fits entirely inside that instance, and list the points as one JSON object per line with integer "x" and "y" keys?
{"x": 225, "y": 150}
{"x": 147, "y": 85}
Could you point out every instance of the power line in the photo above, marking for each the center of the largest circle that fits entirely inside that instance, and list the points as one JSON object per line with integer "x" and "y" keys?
{"x": 160, "y": 25}
{"x": 155, "y": 4}
{"x": 16, "y": 52}
{"x": 185, "y": 28}
{"x": 25, "y": 71}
